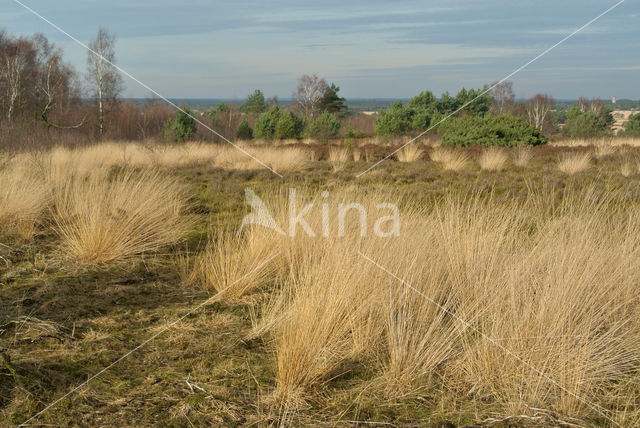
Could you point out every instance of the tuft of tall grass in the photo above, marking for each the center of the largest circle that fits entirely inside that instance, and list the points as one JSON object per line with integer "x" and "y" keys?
{"x": 522, "y": 156}
{"x": 453, "y": 160}
{"x": 573, "y": 163}
{"x": 339, "y": 155}
{"x": 492, "y": 159}
{"x": 626, "y": 169}
{"x": 604, "y": 149}
{"x": 23, "y": 200}
{"x": 554, "y": 287}
{"x": 102, "y": 220}
{"x": 230, "y": 264}
{"x": 410, "y": 153}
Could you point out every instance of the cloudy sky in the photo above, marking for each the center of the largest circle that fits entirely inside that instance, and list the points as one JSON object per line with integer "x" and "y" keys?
{"x": 373, "y": 48}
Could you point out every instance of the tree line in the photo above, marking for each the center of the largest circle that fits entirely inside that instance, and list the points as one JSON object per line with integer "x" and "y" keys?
{"x": 43, "y": 99}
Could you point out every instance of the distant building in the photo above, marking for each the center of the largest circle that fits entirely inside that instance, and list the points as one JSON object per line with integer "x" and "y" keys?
{"x": 613, "y": 100}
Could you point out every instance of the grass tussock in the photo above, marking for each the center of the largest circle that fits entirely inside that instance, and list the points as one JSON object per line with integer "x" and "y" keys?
{"x": 23, "y": 200}
{"x": 231, "y": 264}
{"x": 555, "y": 287}
{"x": 452, "y": 160}
{"x": 339, "y": 155}
{"x": 522, "y": 156}
{"x": 492, "y": 159}
{"x": 627, "y": 169}
{"x": 573, "y": 163}
{"x": 100, "y": 220}
{"x": 410, "y": 153}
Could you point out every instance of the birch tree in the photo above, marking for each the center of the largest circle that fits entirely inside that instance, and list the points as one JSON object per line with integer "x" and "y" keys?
{"x": 538, "y": 109}
{"x": 105, "y": 82}
{"x": 309, "y": 94}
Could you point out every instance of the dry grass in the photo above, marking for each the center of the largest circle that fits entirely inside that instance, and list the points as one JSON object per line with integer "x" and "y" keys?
{"x": 627, "y": 169}
{"x": 280, "y": 159}
{"x": 557, "y": 287}
{"x": 101, "y": 220}
{"x": 410, "y": 153}
{"x": 573, "y": 163}
{"x": 522, "y": 156}
{"x": 613, "y": 142}
{"x": 453, "y": 160}
{"x": 603, "y": 150}
{"x": 339, "y": 155}
{"x": 229, "y": 264}
{"x": 492, "y": 159}
{"x": 23, "y": 200}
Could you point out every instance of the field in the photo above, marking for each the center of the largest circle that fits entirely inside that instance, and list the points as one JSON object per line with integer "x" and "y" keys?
{"x": 507, "y": 297}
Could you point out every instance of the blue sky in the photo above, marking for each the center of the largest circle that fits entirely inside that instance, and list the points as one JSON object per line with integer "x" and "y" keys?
{"x": 374, "y": 48}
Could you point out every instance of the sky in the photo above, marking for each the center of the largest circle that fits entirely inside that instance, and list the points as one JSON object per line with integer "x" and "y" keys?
{"x": 371, "y": 49}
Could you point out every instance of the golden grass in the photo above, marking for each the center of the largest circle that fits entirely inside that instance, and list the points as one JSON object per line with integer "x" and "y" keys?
{"x": 450, "y": 159}
{"x": 604, "y": 149}
{"x": 573, "y": 163}
{"x": 627, "y": 169}
{"x": 410, "y": 153}
{"x": 339, "y": 154}
{"x": 102, "y": 220}
{"x": 280, "y": 159}
{"x": 230, "y": 263}
{"x": 613, "y": 142}
{"x": 492, "y": 159}
{"x": 522, "y": 156}
{"x": 23, "y": 200}
{"x": 556, "y": 287}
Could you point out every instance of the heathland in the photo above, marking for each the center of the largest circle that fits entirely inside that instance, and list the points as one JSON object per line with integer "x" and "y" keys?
{"x": 508, "y": 296}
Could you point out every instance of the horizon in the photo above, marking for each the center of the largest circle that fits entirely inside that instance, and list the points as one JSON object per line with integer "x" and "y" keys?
{"x": 371, "y": 50}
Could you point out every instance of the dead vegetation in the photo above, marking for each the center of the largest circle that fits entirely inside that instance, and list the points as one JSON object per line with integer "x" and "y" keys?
{"x": 419, "y": 328}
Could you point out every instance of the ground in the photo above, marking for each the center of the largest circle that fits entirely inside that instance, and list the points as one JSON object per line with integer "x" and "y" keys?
{"x": 61, "y": 323}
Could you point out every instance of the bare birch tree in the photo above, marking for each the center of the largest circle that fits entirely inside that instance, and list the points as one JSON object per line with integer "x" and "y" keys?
{"x": 503, "y": 98}
{"x": 309, "y": 94}
{"x": 16, "y": 63}
{"x": 106, "y": 83}
{"x": 538, "y": 109}
{"x": 55, "y": 82}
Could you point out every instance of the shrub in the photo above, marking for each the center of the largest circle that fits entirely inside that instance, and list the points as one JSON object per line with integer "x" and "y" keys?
{"x": 587, "y": 124}
{"x": 265, "y": 127}
{"x": 324, "y": 127}
{"x": 277, "y": 123}
{"x": 182, "y": 128}
{"x": 244, "y": 131}
{"x": 505, "y": 131}
{"x": 254, "y": 103}
{"x": 632, "y": 128}
{"x": 396, "y": 120}
{"x": 286, "y": 127}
